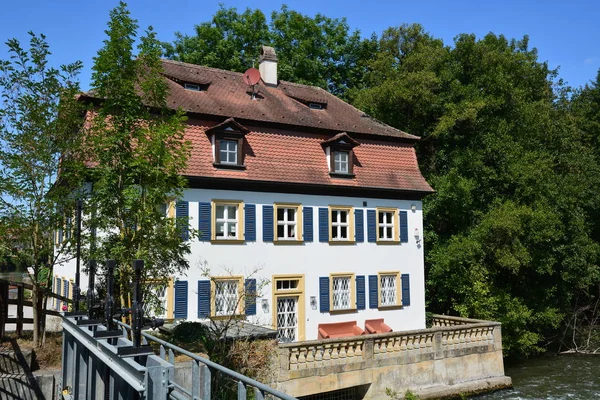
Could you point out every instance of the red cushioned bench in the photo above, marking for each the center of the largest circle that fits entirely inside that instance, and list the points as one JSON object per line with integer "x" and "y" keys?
{"x": 376, "y": 326}
{"x": 339, "y": 329}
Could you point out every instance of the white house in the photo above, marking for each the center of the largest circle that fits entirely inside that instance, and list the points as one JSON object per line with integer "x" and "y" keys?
{"x": 298, "y": 197}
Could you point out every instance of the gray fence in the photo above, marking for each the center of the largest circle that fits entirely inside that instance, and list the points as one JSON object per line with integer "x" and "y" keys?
{"x": 94, "y": 367}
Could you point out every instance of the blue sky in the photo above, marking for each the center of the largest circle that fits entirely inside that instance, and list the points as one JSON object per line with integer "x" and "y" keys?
{"x": 566, "y": 33}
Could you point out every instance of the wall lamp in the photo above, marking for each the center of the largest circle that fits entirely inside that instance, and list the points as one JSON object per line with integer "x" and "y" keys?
{"x": 313, "y": 302}
{"x": 265, "y": 305}
{"x": 417, "y": 236}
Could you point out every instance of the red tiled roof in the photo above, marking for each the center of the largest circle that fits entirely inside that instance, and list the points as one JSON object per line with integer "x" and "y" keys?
{"x": 298, "y": 157}
{"x": 274, "y": 153}
{"x": 228, "y": 96}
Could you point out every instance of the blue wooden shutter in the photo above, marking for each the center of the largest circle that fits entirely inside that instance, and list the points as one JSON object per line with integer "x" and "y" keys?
{"x": 250, "y": 296}
{"x": 204, "y": 223}
{"x": 359, "y": 231}
{"x": 360, "y": 292}
{"x": 65, "y": 288}
{"x": 323, "y": 224}
{"x": 60, "y": 236}
{"x": 373, "y": 291}
{"x": 181, "y": 299}
{"x": 405, "y": 290}
{"x": 204, "y": 299}
{"x": 308, "y": 223}
{"x": 182, "y": 211}
{"x": 324, "y": 293}
{"x": 371, "y": 226}
{"x": 267, "y": 223}
{"x": 403, "y": 227}
{"x": 250, "y": 222}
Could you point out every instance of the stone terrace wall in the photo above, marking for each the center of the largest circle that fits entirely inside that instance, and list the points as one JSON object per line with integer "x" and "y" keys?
{"x": 454, "y": 353}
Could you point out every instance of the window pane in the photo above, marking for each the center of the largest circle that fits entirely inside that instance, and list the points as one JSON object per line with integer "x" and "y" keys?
{"x": 220, "y": 229}
{"x": 232, "y": 230}
{"x": 280, "y": 231}
{"x": 280, "y": 214}
{"x": 343, "y": 232}
{"x": 343, "y": 216}
{"x": 291, "y": 214}
{"x": 220, "y": 212}
{"x": 389, "y": 232}
{"x": 231, "y": 212}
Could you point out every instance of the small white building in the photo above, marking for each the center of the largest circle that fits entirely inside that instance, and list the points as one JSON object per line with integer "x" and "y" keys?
{"x": 301, "y": 201}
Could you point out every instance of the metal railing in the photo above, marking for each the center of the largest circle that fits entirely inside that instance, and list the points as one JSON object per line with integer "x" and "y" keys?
{"x": 201, "y": 372}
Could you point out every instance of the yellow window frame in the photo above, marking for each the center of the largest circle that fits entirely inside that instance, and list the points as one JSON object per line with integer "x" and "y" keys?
{"x": 240, "y": 306}
{"x": 352, "y": 287}
{"x": 240, "y": 217}
{"x": 299, "y": 223}
{"x": 299, "y": 292}
{"x": 395, "y": 222}
{"x": 398, "y": 289}
{"x": 351, "y": 238}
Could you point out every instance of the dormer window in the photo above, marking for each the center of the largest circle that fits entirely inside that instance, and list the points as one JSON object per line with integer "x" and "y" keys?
{"x": 228, "y": 144}
{"x": 192, "y": 86}
{"x": 228, "y": 151}
{"x": 340, "y": 155}
{"x": 340, "y": 162}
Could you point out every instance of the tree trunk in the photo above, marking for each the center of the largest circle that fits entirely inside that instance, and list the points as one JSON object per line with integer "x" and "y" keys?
{"x": 36, "y": 316}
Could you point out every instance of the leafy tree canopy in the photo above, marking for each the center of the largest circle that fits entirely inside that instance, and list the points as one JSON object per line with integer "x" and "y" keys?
{"x": 137, "y": 153}
{"x": 508, "y": 232}
{"x": 319, "y": 51}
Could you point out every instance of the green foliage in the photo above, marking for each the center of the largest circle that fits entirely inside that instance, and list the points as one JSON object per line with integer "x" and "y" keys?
{"x": 318, "y": 51}
{"x": 38, "y": 115}
{"x": 510, "y": 234}
{"x": 188, "y": 333}
{"x": 137, "y": 151}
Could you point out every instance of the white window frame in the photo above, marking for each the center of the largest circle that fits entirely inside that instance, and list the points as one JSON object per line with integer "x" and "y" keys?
{"x": 227, "y": 151}
{"x": 338, "y": 161}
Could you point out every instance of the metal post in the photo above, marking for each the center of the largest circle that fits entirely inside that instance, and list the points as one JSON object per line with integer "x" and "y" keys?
{"x": 109, "y": 302}
{"x": 137, "y": 306}
{"x": 91, "y": 285}
{"x": 77, "y": 288}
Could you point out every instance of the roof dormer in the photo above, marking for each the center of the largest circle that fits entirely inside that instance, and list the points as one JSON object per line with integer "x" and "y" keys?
{"x": 340, "y": 155}
{"x": 227, "y": 140}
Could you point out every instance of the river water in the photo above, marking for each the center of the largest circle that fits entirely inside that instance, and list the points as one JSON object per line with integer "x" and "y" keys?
{"x": 552, "y": 377}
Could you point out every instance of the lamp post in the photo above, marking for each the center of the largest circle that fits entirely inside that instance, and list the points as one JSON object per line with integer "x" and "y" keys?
{"x": 76, "y": 289}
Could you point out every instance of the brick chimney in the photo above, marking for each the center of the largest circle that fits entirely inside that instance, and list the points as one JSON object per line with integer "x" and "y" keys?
{"x": 267, "y": 65}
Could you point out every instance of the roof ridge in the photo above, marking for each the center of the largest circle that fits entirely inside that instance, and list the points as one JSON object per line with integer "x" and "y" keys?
{"x": 186, "y": 64}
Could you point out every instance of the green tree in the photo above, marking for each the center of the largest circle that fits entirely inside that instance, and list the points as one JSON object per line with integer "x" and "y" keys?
{"x": 137, "y": 153}
{"x": 318, "y": 51}
{"x": 38, "y": 116}
{"x": 509, "y": 233}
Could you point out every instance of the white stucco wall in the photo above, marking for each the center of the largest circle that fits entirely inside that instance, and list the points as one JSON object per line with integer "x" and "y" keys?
{"x": 313, "y": 260}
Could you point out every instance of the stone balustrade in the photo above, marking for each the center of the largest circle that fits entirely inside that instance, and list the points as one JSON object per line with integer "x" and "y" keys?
{"x": 452, "y": 350}
{"x": 448, "y": 335}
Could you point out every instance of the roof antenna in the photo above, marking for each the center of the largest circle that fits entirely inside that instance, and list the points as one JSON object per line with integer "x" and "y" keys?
{"x": 251, "y": 78}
